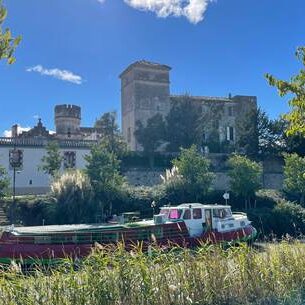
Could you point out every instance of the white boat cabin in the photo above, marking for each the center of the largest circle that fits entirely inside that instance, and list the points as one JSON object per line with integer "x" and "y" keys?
{"x": 200, "y": 218}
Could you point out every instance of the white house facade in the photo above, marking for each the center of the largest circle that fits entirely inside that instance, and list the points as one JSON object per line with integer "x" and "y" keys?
{"x": 29, "y": 178}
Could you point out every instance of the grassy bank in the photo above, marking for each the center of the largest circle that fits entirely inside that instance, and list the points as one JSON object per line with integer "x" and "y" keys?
{"x": 209, "y": 275}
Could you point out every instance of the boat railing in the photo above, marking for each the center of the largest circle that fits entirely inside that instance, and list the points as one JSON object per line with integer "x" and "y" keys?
{"x": 239, "y": 213}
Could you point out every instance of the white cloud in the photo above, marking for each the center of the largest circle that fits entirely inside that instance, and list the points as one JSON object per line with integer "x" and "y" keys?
{"x": 101, "y": 1}
{"x": 63, "y": 75}
{"x": 193, "y": 10}
{"x": 8, "y": 133}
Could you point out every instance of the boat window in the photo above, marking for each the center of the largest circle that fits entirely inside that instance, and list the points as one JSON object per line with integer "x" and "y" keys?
{"x": 197, "y": 214}
{"x": 187, "y": 214}
{"x": 109, "y": 236}
{"x": 222, "y": 213}
{"x": 216, "y": 212}
{"x": 165, "y": 212}
{"x": 175, "y": 213}
{"x": 42, "y": 239}
{"x": 228, "y": 212}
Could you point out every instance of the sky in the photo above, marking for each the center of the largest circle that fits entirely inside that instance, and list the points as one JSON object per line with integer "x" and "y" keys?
{"x": 72, "y": 51}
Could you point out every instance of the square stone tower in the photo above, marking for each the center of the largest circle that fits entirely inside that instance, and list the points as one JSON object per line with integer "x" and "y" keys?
{"x": 144, "y": 92}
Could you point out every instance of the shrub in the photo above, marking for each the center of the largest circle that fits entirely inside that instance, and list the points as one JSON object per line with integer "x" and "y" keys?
{"x": 73, "y": 194}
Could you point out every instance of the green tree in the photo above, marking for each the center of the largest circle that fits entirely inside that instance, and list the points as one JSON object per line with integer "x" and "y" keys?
{"x": 8, "y": 44}
{"x": 112, "y": 138}
{"x": 103, "y": 170}
{"x": 51, "y": 162}
{"x": 182, "y": 124}
{"x": 248, "y": 131}
{"x": 245, "y": 177}
{"x": 294, "y": 176}
{"x": 151, "y": 136}
{"x": 195, "y": 171}
{"x": 296, "y": 88}
{"x": 4, "y": 182}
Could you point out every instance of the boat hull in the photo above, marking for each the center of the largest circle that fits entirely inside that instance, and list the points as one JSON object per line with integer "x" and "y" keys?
{"x": 28, "y": 253}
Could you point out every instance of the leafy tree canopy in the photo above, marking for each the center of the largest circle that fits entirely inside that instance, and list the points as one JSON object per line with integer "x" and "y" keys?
{"x": 152, "y": 135}
{"x": 296, "y": 88}
{"x": 245, "y": 176}
{"x": 294, "y": 175}
{"x": 8, "y": 44}
{"x": 112, "y": 138}
{"x": 103, "y": 171}
{"x": 195, "y": 170}
{"x": 4, "y": 182}
{"x": 51, "y": 162}
{"x": 182, "y": 124}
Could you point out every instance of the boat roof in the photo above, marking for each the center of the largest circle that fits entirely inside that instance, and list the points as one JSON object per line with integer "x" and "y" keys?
{"x": 53, "y": 229}
{"x": 197, "y": 205}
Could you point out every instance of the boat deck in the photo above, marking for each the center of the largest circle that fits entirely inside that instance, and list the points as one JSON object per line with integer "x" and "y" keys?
{"x": 53, "y": 229}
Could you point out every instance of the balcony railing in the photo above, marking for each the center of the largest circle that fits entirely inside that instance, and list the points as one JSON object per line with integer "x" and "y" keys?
{"x": 41, "y": 142}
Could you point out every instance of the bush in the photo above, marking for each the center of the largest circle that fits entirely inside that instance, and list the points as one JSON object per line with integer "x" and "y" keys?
{"x": 73, "y": 195}
{"x": 276, "y": 216}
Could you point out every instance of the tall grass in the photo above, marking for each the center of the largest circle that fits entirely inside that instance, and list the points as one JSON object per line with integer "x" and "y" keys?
{"x": 208, "y": 275}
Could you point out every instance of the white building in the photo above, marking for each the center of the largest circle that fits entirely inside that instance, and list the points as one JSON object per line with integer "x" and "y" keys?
{"x": 30, "y": 179}
{"x": 74, "y": 141}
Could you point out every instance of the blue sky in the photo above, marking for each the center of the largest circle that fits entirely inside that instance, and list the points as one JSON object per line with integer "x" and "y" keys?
{"x": 228, "y": 51}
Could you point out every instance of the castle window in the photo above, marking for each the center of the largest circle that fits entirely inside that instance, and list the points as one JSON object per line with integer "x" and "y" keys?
{"x": 69, "y": 159}
{"x": 230, "y": 133}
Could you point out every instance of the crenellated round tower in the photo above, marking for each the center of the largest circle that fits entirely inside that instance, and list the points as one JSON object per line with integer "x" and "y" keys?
{"x": 67, "y": 121}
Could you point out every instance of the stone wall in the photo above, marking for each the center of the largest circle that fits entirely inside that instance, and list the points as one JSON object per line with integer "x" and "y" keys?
{"x": 271, "y": 179}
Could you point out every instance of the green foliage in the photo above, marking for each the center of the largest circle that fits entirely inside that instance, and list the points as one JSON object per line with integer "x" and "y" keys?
{"x": 296, "y": 88}
{"x": 208, "y": 275}
{"x": 195, "y": 171}
{"x": 73, "y": 195}
{"x": 112, "y": 138}
{"x": 182, "y": 124}
{"x": 245, "y": 177}
{"x": 152, "y": 135}
{"x": 294, "y": 173}
{"x": 103, "y": 171}
{"x": 32, "y": 210}
{"x": 8, "y": 44}
{"x": 248, "y": 130}
{"x": 134, "y": 159}
{"x": 51, "y": 162}
{"x": 274, "y": 216}
{"x": 4, "y": 182}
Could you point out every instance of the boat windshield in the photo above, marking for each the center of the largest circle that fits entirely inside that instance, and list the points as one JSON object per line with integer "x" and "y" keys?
{"x": 165, "y": 212}
{"x": 175, "y": 213}
{"x": 222, "y": 213}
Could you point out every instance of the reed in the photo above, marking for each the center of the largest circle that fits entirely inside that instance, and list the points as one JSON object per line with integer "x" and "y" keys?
{"x": 207, "y": 275}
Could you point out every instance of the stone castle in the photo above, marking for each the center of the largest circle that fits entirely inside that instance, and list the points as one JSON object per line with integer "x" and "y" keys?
{"x": 145, "y": 91}
{"x": 67, "y": 119}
